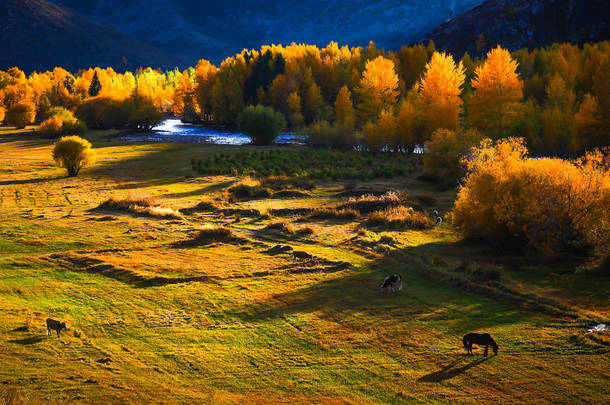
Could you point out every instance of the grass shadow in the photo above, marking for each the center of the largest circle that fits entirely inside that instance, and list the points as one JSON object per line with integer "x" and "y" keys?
{"x": 450, "y": 371}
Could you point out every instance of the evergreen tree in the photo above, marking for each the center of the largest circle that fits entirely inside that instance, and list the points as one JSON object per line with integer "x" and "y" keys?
{"x": 96, "y": 86}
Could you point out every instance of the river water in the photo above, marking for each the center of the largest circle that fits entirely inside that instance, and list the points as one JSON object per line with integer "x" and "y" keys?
{"x": 174, "y": 130}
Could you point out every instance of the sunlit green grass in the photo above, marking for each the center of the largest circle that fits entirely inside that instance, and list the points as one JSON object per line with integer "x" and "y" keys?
{"x": 259, "y": 328}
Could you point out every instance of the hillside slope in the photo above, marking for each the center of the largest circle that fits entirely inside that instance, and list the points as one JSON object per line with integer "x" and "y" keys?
{"x": 215, "y": 30}
{"x": 524, "y": 24}
{"x": 39, "y": 35}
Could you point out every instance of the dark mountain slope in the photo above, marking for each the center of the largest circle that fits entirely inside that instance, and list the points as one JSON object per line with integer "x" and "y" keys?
{"x": 214, "y": 30}
{"x": 39, "y": 35}
{"x": 524, "y": 24}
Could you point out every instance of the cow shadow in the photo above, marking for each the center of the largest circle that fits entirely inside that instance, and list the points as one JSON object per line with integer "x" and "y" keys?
{"x": 451, "y": 370}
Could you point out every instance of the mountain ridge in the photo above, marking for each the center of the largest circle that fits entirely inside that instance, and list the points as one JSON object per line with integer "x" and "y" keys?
{"x": 516, "y": 24}
{"x": 212, "y": 30}
{"x": 39, "y": 35}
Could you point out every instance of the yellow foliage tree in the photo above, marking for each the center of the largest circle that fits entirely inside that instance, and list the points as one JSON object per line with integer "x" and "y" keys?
{"x": 406, "y": 122}
{"x": 204, "y": 76}
{"x": 73, "y": 153}
{"x": 439, "y": 94}
{"x": 344, "y": 109}
{"x": 557, "y": 118}
{"x": 295, "y": 117}
{"x": 19, "y": 115}
{"x": 588, "y": 123}
{"x": 549, "y": 204}
{"x": 386, "y": 126}
{"x": 446, "y": 149}
{"x": 495, "y": 104}
{"x": 378, "y": 88}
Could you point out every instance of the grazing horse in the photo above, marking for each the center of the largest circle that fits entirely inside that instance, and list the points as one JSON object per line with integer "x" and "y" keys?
{"x": 480, "y": 339}
{"x": 301, "y": 255}
{"x": 392, "y": 282}
{"x": 53, "y": 325}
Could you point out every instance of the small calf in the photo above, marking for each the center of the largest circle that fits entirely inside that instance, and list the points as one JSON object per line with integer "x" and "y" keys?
{"x": 301, "y": 255}
{"x": 392, "y": 283}
{"x": 52, "y": 325}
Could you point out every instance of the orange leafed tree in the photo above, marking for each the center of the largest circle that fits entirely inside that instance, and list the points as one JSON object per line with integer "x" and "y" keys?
{"x": 204, "y": 75}
{"x": 439, "y": 93}
{"x": 498, "y": 90}
{"x": 344, "y": 109}
{"x": 548, "y": 204}
{"x": 378, "y": 88}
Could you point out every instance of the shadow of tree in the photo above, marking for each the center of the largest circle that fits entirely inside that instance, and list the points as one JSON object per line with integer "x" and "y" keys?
{"x": 28, "y": 341}
{"x": 207, "y": 189}
{"x": 357, "y": 291}
{"x": 27, "y": 139}
{"x": 450, "y": 371}
{"x": 29, "y": 181}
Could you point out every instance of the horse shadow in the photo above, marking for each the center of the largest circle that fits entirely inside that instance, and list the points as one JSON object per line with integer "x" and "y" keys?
{"x": 449, "y": 371}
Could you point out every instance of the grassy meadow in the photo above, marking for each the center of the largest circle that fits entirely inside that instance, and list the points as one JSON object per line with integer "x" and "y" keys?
{"x": 156, "y": 315}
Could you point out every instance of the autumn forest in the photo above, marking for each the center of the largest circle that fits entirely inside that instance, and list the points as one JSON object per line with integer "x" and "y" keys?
{"x": 557, "y": 98}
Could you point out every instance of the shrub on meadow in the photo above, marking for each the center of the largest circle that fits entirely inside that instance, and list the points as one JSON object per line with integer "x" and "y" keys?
{"x": 107, "y": 113}
{"x": 548, "y": 205}
{"x": 62, "y": 122}
{"x": 261, "y": 123}
{"x": 20, "y": 115}
{"x": 144, "y": 115}
{"x": 73, "y": 153}
{"x": 445, "y": 151}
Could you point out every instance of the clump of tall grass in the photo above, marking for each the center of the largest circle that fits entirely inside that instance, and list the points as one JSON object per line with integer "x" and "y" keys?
{"x": 481, "y": 271}
{"x": 203, "y": 206}
{"x": 140, "y": 204}
{"x": 426, "y": 198}
{"x": 369, "y": 203}
{"x": 400, "y": 217}
{"x": 249, "y": 189}
{"x": 333, "y": 213}
{"x": 210, "y": 235}
{"x": 284, "y": 182}
{"x": 281, "y": 226}
{"x": 289, "y": 229}
{"x": 290, "y": 194}
{"x": 305, "y": 230}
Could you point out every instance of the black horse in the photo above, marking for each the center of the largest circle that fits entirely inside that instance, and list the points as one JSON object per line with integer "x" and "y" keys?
{"x": 479, "y": 339}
